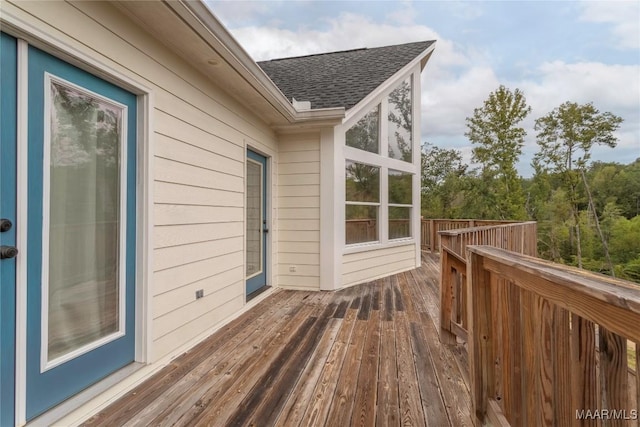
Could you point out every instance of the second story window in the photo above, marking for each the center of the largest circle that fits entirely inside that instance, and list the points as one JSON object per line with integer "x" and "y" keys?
{"x": 400, "y": 122}
{"x": 364, "y": 135}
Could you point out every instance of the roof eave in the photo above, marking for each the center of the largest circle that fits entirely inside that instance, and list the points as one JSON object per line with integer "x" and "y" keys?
{"x": 201, "y": 19}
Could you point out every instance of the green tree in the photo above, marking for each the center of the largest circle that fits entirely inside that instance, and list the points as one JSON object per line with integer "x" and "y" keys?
{"x": 442, "y": 172}
{"x": 566, "y": 136}
{"x": 494, "y": 130}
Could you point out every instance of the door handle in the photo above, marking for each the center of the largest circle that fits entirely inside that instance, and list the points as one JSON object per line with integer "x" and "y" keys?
{"x": 7, "y": 252}
{"x": 5, "y": 225}
{"x": 266, "y": 230}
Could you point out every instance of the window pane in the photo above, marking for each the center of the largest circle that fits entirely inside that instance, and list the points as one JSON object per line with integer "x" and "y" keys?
{"x": 399, "y": 222}
{"x": 84, "y": 220}
{"x": 364, "y": 134}
{"x": 362, "y": 182}
{"x": 400, "y": 122}
{"x": 362, "y": 224}
{"x": 400, "y": 188}
{"x": 254, "y": 218}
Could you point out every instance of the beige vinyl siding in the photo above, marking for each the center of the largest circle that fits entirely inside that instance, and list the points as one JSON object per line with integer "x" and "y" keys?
{"x": 299, "y": 212}
{"x": 364, "y": 266}
{"x": 199, "y": 138}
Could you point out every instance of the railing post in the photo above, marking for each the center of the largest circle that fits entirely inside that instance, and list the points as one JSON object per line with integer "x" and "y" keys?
{"x": 432, "y": 235}
{"x": 446, "y": 299}
{"x": 480, "y": 347}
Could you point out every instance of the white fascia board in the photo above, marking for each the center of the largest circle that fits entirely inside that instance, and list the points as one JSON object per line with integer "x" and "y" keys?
{"x": 198, "y": 16}
{"x": 365, "y": 103}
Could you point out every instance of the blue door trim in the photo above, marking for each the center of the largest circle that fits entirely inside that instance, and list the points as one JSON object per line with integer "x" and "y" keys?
{"x": 8, "y": 145}
{"x": 45, "y": 390}
{"x": 260, "y": 280}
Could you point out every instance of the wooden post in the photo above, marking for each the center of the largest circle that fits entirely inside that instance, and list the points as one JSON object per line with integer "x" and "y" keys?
{"x": 446, "y": 299}
{"x": 481, "y": 370}
{"x": 614, "y": 369}
{"x": 564, "y": 411}
{"x": 432, "y": 235}
{"x": 638, "y": 376}
{"x": 586, "y": 393}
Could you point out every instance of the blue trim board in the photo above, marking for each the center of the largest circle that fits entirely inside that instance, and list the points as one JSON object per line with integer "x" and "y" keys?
{"x": 8, "y": 145}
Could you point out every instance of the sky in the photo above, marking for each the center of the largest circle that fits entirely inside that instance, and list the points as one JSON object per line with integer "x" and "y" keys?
{"x": 553, "y": 51}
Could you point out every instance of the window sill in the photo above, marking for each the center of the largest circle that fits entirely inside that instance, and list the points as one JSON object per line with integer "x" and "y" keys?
{"x": 373, "y": 246}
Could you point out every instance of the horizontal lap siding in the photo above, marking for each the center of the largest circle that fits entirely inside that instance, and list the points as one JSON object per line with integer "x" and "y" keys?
{"x": 199, "y": 136}
{"x": 369, "y": 265}
{"x": 299, "y": 212}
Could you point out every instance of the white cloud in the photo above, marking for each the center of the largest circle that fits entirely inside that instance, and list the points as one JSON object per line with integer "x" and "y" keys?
{"x": 613, "y": 88}
{"x": 346, "y": 31}
{"x": 622, "y": 15}
{"x": 235, "y": 11}
{"x": 459, "y": 78}
{"x": 448, "y": 100}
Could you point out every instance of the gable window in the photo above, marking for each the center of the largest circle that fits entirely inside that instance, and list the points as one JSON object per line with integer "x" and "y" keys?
{"x": 399, "y": 123}
{"x": 364, "y": 135}
{"x": 400, "y": 199}
{"x": 380, "y": 169}
{"x": 362, "y": 202}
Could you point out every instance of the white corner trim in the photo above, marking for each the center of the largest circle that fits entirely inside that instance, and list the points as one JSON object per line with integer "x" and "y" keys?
{"x": 144, "y": 230}
{"x": 22, "y": 207}
{"x": 327, "y": 208}
{"x": 416, "y": 212}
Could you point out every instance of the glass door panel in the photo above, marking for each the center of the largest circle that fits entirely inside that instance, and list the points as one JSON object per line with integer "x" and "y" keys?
{"x": 84, "y": 219}
{"x": 256, "y": 222}
{"x": 254, "y": 218}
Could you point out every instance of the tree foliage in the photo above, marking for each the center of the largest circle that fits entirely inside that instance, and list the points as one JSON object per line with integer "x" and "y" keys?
{"x": 566, "y": 136}
{"x": 498, "y": 140}
{"x": 582, "y": 207}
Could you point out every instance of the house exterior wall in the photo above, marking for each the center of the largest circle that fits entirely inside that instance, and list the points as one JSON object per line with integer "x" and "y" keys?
{"x": 363, "y": 262}
{"x": 362, "y": 267}
{"x": 199, "y": 136}
{"x": 299, "y": 211}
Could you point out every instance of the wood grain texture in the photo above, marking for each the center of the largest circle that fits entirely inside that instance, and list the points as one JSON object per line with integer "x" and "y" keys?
{"x": 366, "y": 355}
{"x": 614, "y": 373}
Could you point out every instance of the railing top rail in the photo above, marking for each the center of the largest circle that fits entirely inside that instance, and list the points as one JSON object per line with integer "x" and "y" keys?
{"x": 459, "y": 231}
{"x": 566, "y": 283}
{"x": 505, "y": 221}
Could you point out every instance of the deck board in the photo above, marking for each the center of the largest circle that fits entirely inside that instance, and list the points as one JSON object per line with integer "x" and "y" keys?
{"x": 367, "y": 355}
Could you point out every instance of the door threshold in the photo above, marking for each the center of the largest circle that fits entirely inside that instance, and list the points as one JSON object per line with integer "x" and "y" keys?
{"x": 57, "y": 412}
{"x": 257, "y": 292}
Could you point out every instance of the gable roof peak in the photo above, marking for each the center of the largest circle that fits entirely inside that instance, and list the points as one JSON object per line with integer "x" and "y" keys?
{"x": 342, "y": 78}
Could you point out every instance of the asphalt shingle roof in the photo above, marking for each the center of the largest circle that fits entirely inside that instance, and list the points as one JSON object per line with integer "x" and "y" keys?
{"x": 339, "y": 79}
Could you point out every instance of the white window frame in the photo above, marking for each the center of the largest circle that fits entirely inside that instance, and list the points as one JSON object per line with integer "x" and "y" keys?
{"x": 45, "y": 362}
{"x": 385, "y": 163}
{"x": 401, "y": 205}
{"x": 377, "y": 204}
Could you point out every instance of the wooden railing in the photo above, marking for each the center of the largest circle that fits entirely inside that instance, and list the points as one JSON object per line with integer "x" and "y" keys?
{"x": 519, "y": 237}
{"x": 431, "y": 227}
{"x": 366, "y": 230}
{"x": 549, "y": 344}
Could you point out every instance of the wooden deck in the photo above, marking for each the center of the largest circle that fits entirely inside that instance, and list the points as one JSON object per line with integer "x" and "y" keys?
{"x": 367, "y": 355}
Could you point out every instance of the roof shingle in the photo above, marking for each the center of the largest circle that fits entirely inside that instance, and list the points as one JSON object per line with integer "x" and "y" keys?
{"x": 339, "y": 79}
